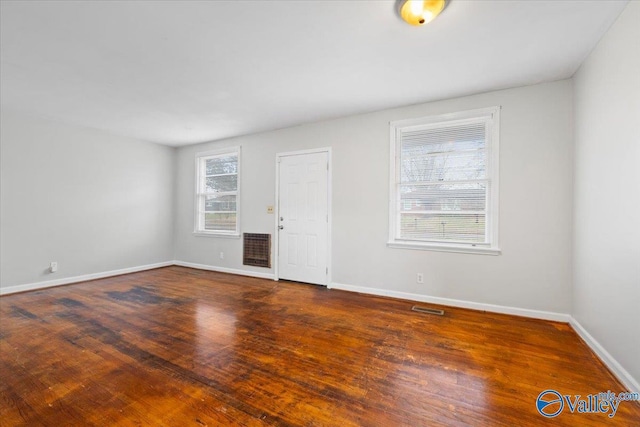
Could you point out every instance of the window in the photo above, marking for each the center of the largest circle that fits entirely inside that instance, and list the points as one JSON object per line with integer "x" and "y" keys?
{"x": 444, "y": 182}
{"x": 217, "y": 193}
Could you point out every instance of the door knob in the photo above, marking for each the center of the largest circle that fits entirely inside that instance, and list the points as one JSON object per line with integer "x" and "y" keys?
{"x": 281, "y": 227}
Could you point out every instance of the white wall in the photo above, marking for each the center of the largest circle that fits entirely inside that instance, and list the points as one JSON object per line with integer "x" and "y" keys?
{"x": 606, "y": 291}
{"x": 90, "y": 201}
{"x": 534, "y": 270}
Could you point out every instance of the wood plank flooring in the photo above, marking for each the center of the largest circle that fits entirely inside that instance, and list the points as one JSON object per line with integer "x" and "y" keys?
{"x": 183, "y": 347}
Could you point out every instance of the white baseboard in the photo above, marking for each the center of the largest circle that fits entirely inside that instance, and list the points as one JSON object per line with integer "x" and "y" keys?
{"x": 69, "y": 280}
{"x": 83, "y": 278}
{"x": 525, "y": 312}
{"x": 611, "y": 363}
{"x": 225, "y": 270}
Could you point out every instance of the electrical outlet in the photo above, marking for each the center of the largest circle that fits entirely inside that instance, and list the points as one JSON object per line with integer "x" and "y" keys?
{"x": 221, "y": 255}
{"x": 269, "y": 209}
{"x": 419, "y": 278}
{"x": 53, "y": 266}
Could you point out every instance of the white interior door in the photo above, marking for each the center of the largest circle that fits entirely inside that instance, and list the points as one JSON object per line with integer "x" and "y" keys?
{"x": 303, "y": 223}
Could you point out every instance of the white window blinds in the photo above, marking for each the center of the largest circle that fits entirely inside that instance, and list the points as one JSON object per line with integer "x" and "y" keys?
{"x": 442, "y": 192}
{"x": 217, "y": 193}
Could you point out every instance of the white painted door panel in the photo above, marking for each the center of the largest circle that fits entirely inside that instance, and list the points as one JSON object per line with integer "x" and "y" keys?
{"x": 303, "y": 211}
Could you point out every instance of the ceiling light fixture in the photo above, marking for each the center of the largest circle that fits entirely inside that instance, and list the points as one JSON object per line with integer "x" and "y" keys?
{"x": 420, "y": 12}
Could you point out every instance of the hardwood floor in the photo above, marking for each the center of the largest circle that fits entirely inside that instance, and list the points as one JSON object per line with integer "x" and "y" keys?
{"x": 179, "y": 347}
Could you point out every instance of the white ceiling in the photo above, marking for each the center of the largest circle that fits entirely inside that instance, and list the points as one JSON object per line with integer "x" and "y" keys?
{"x": 178, "y": 73}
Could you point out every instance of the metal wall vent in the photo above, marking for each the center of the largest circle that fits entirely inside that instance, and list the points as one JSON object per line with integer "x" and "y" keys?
{"x": 427, "y": 310}
{"x": 257, "y": 250}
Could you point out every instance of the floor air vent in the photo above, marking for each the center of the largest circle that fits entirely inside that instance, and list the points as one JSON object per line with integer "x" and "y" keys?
{"x": 257, "y": 250}
{"x": 427, "y": 310}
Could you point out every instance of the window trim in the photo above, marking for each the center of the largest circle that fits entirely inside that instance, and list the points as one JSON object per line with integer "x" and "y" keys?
{"x": 492, "y": 114}
{"x": 196, "y": 214}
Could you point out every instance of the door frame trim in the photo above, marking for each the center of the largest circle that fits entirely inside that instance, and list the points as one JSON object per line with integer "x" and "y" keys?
{"x": 279, "y": 156}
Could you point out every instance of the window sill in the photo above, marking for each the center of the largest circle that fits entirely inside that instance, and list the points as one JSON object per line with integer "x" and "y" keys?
{"x": 477, "y": 250}
{"x": 223, "y": 235}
